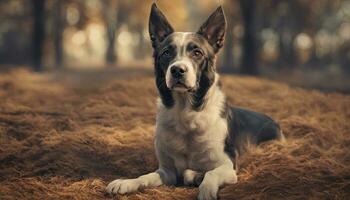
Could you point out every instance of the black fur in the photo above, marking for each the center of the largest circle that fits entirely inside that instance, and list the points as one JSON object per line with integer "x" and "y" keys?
{"x": 206, "y": 78}
{"x": 209, "y": 38}
{"x": 159, "y": 30}
{"x": 205, "y": 71}
{"x": 159, "y": 27}
{"x": 164, "y": 92}
{"x": 214, "y": 29}
{"x": 247, "y": 126}
{"x": 244, "y": 126}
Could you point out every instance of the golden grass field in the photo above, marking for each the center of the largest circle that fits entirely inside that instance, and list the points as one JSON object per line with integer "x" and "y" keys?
{"x": 65, "y": 135}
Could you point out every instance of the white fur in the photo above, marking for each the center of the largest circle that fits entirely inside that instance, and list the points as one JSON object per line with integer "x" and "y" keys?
{"x": 198, "y": 135}
{"x": 187, "y": 142}
{"x": 189, "y": 176}
{"x": 190, "y": 74}
{"x": 123, "y": 186}
{"x": 181, "y": 40}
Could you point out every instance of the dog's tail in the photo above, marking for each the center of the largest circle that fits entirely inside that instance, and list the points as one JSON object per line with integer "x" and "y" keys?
{"x": 281, "y": 136}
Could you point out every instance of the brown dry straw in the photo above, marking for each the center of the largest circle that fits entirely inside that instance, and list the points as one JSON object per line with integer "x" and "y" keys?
{"x": 66, "y": 135}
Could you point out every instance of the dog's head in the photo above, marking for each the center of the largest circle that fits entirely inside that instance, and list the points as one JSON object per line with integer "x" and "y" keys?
{"x": 184, "y": 61}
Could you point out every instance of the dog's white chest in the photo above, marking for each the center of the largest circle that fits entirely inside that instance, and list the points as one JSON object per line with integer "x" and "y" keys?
{"x": 193, "y": 140}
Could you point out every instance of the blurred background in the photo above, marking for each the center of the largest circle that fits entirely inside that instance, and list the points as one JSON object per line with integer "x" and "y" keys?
{"x": 301, "y": 42}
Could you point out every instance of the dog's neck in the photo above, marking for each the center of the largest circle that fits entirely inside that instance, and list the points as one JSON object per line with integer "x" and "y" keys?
{"x": 198, "y": 99}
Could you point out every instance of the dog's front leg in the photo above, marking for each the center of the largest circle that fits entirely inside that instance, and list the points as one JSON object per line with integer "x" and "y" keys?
{"x": 215, "y": 178}
{"x": 154, "y": 179}
{"x": 123, "y": 186}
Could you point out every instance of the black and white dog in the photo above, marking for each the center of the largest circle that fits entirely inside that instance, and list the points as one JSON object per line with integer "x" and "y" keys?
{"x": 198, "y": 136}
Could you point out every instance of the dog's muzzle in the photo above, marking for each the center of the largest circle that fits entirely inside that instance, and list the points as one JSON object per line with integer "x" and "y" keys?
{"x": 178, "y": 71}
{"x": 180, "y": 77}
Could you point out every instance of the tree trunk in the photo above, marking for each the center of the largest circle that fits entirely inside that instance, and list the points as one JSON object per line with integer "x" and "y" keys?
{"x": 287, "y": 57}
{"x": 287, "y": 29}
{"x": 249, "y": 58}
{"x": 58, "y": 35}
{"x": 38, "y": 33}
{"x": 110, "y": 18}
{"x": 110, "y": 53}
{"x": 140, "y": 53}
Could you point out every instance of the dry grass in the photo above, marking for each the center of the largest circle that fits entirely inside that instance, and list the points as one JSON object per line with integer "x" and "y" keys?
{"x": 65, "y": 136}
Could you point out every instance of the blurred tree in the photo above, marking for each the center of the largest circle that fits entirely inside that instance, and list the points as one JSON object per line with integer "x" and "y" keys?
{"x": 249, "y": 57}
{"x": 58, "y": 31}
{"x": 343, "y": 57}
{"x": 227, "y": 57}
{"x": 287, "y": 27}
{"x": 140, "y": 52}
{"x": 112, "y": 25}
{"x": 38, "y": 33}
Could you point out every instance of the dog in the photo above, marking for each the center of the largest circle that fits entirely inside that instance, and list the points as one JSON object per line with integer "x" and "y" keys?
{"x": 198, "y": 135}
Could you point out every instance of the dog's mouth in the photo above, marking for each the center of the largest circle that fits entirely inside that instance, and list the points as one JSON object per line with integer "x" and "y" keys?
{"x": 182, "y": 87}
{"x": 179, "y": 84}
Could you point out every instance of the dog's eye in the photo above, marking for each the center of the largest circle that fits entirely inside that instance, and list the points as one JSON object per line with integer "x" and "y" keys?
{"x": 197, "y": 53}
{"x": 166, "y": 53}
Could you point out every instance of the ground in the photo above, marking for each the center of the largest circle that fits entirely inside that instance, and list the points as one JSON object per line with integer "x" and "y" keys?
{"x": 65, "y": 135}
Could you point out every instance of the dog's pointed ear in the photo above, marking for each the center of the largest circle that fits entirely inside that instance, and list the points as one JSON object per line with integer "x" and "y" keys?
{"x": 214, "y": 29}
{"x": 159, "y": 27}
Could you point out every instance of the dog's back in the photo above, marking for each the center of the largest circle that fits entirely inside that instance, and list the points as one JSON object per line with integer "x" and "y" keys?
{"x": 248, "y": 127}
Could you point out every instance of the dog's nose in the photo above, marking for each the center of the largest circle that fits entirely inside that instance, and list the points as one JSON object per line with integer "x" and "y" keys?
{"x": 177, "y": 71}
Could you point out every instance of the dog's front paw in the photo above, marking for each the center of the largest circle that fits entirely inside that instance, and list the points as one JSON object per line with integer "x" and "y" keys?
{"x": 208, "y": 191}
{"x": 123, "y": 186}
{"x": 234, "y": 179}
{"x": 189, "y": 176}
{"x": 192, "y": 177}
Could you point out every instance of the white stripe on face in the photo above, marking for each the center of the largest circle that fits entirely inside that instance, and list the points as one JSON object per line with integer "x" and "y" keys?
{"x": 181, "y": 39}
